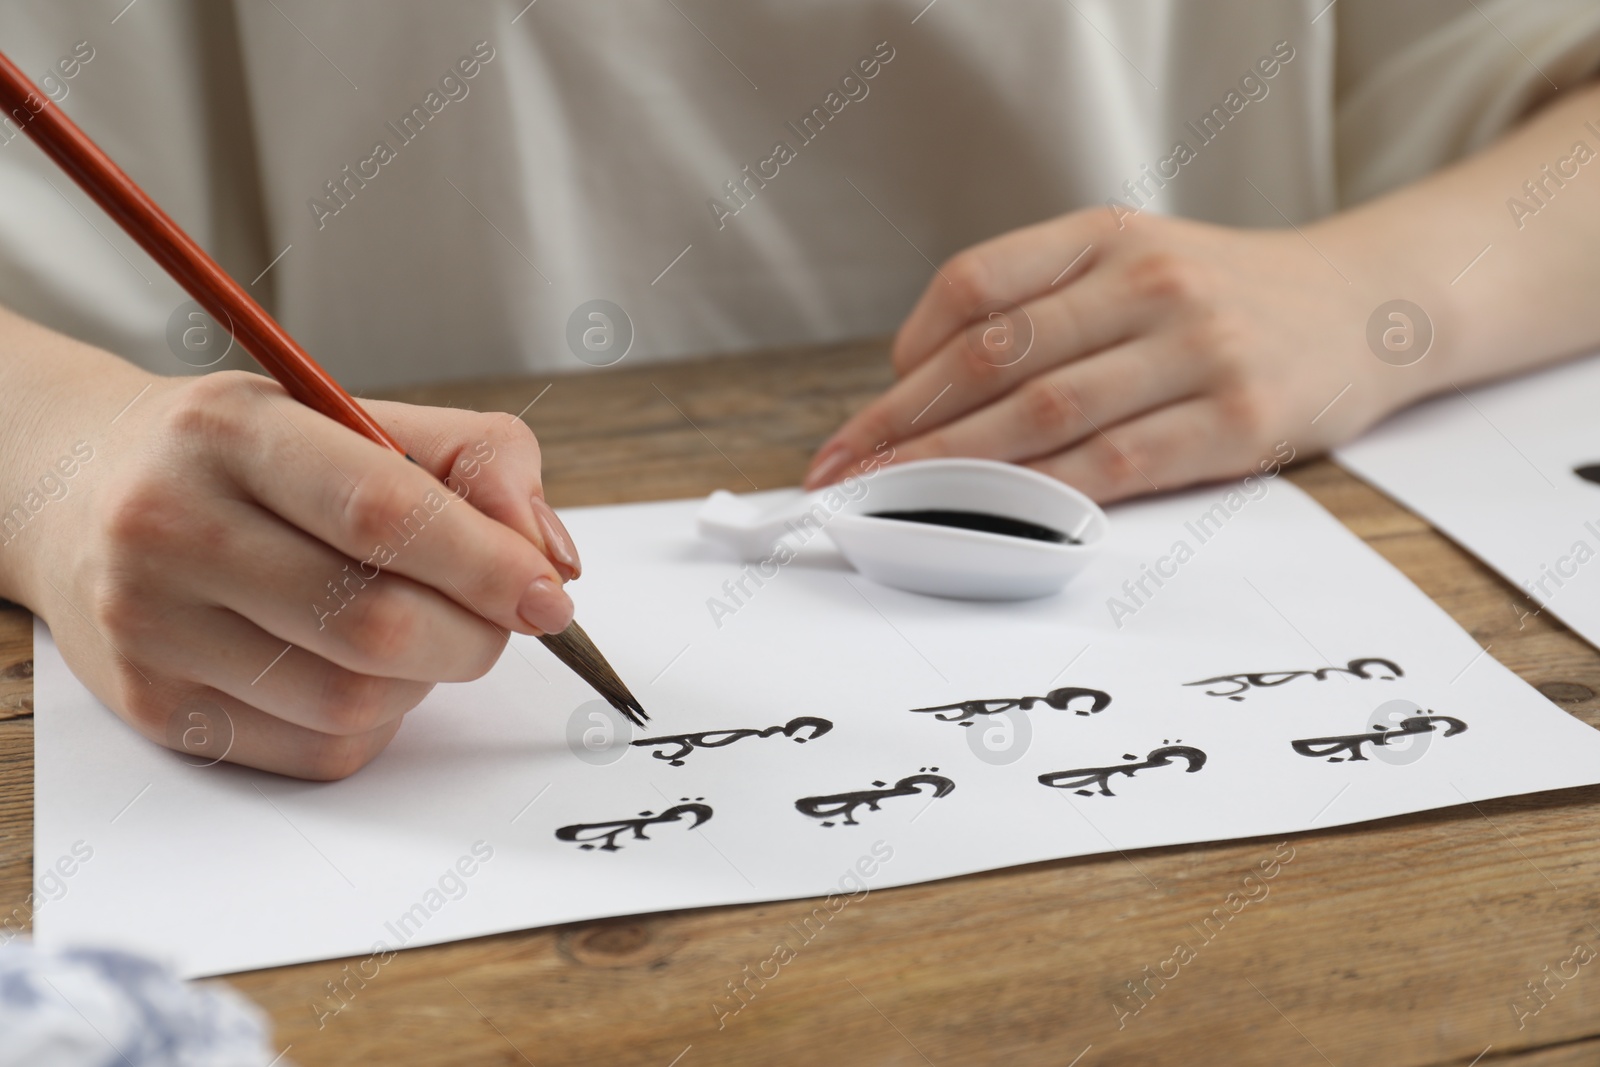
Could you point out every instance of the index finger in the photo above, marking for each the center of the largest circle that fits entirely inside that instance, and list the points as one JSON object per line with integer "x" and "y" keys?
{"x": 1012, "y": 268}
{"x": 376, "y": 506}
{"x": 965, "y": 375}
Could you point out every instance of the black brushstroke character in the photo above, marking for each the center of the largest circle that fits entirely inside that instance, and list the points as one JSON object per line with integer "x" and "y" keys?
{"x": 833, "y": 805}
{"x": 1079, "y": 778}
{"x": 1356, "y": 668}
{"x": 1060, "y": 699}
{"x": 1350, "y": 744}
{"x": 687, "y": 743}
{"x": 1589, "y": 472}
{"x": 587, "y": 833}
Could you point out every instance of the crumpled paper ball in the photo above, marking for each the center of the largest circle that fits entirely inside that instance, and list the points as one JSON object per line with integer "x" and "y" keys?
{"x": 100, "y": 1007}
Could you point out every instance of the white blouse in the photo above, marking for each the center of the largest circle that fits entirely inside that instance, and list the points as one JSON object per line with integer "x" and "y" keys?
{"x": 422, "y": 191}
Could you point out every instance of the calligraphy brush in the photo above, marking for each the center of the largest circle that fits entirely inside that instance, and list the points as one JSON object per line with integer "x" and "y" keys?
{"x": 227, "y": 302}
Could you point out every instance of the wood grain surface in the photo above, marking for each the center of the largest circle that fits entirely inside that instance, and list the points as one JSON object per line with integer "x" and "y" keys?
{"x": 1405, "y": 942}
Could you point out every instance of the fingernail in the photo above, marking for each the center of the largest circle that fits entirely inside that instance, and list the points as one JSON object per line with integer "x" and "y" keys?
{"x": 558, "y": 543}
{"x": 832, "y": 461}
{"x": 545, "y": 606}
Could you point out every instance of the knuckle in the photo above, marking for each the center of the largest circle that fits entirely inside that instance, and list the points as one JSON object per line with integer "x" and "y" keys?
{"x": 1107, "y": 225}
{"x": 354, "y": 703}
{"x": 985, "y": 353}
{"x": 152, "y": 517}
{"x": 143, "y": 513}
{"x": 1168, "y": 277}
{"x": 968, "y": 279}
{"x": 1245, "y": 410}
{"x": 1045, "y": 405}
{"x": 330, "y": 757}
{"x": 975, "y": 361}
{"x": 1216, "y": 335}
{"x": 502, "y": 431}
{"x": 496, "y": 435}
{"x": 144, "y": 708}
{"x": 1099, "y": 225}
{"x": 374, "y": 507}
{"x": 515, "y": 431}
{"x": 210, "y": 409}
{"x": 1116, "y": 467}
{"x": 121, "y": 612}
{"x": 383, "y": 628}
{"x": 478, "y": 442}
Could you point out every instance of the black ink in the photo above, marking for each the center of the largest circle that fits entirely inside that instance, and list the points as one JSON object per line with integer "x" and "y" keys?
{"x": 836, "y": 804}
{"x": 1079, "y": 778}
{"x": 1589, "y": 472}
{"x": 981, "y": 521}
{"x": 1356, "y": 668}
{"x": 1317, "y": 747}
{"x": 1059, "y": 699}
{"x": 607, "y": 831}
{"x": 687, "y": 743}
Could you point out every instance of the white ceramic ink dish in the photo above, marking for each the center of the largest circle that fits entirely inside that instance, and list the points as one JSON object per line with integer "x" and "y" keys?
{"x": 923, "y": 556}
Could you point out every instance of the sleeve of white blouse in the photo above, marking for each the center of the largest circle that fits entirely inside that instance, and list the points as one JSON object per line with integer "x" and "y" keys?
{"x": 160, "y": 91}
{"x": 1420, "y": 85}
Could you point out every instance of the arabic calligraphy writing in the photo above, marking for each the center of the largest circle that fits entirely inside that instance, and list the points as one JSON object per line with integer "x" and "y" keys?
{"x": 1350, "y": 744}
{"x": 1080, "y": 778}
{"x": 1061, "y": 699}
{"x": 831, "y": 806}
{"x": 1356, "y": 668}
{"x": 586, "y": 834}
{"x": 673, "y": 748}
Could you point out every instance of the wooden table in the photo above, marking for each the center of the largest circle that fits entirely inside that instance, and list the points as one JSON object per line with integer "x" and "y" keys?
{"x": 1401, "y": 942}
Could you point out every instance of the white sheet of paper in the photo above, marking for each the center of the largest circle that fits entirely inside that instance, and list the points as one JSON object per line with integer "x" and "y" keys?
{"x": 225, "y": 869}
{"x": 1493, "y": 469}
